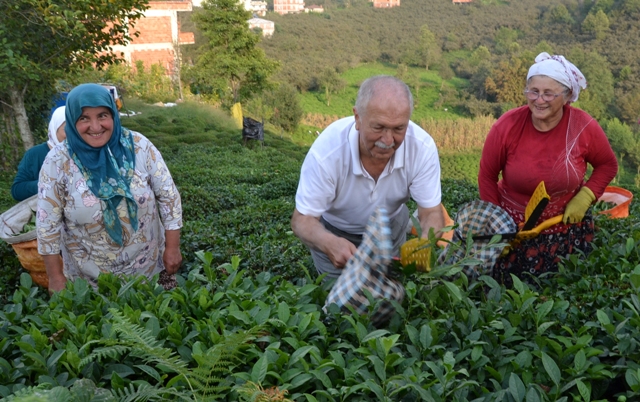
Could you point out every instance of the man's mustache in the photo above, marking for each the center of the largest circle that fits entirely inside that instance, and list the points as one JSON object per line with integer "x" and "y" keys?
{"x": 382, "y": 145}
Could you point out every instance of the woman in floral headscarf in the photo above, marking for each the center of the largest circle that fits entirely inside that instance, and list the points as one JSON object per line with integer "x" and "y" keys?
{"x": 106, "y": 199}
{"x": 25, "y": 184}
{"x": 547, "y": 140}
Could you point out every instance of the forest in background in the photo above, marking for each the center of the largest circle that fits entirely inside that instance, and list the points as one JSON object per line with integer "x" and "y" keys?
{"x": 488, "y": 43}
{"x": 469, "y": 59}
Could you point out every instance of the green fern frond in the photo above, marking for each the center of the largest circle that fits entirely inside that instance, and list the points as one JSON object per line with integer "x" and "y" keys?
{"x": 208, "y": 378}
{"x": 146, "y": 392}
{"x": 25, "y": 394}
{"x": 113, "y": 351}
{"x": 144, "y": 345}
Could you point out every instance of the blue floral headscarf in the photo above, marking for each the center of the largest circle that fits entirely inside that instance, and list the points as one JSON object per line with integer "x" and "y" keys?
{"x": 108, "y": 169}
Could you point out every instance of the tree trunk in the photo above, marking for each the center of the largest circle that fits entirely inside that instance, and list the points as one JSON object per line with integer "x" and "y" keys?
{"x": 9, "y": 147}
{"x": 20, "y": 114}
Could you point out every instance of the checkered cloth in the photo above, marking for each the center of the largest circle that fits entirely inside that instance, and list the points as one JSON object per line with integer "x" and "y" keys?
{"x": 479, "y": 218}
{"x": 368, "y": 269}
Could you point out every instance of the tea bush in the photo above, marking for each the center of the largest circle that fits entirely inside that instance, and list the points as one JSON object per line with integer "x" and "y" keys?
{"x": 573, "y": 338}
{"x": 249, "y": 306}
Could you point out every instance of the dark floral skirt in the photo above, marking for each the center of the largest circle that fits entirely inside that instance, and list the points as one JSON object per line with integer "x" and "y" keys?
{"x": 541, "y": 254}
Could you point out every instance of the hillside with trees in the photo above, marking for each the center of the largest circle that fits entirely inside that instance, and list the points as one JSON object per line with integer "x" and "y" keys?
{"x": 471, "y": 59}
{"x": 490, "y": 44}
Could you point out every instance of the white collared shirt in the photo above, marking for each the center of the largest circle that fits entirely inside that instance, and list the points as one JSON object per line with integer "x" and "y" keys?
{"x": 333, "y": 183}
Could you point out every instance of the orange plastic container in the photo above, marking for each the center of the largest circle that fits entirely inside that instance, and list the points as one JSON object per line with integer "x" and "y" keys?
{"x": 619, "y": 196}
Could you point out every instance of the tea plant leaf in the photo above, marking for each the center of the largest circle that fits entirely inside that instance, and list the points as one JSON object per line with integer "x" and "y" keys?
{"x": 603, "y": 318}
{"x": 454, "y": 290}
{"x": 337, "y": 358}
{"x": 551, "y": 368}
{"x": 544, "y": 309}
{"x": 299, "y": 354}
{"x": 517, "y": 284}
{"x": 633, "y": 379}
{"x": 516, "y": 387}
{"x": 378, "y": 367}
{"x": 304, "y": 323}
{"x": 374, "y": 335}
{"x": 630, "y": 246}
{"x": 131, "y": 283}
{"x": 25, "y": 280}
{"x": 53, "y": 359}
{"x": 361, "y": 331}
{"x": 634, "y": 278}
{"x": 584, "y": 389}
{"x": 425, "y": 336}
{"x": 300, "y": 379}
{"x": 283, "y": 312}
{"x": 324, "y": 378}
{"x": 153, "y": 373}
{"x": 389, "y": 342}
{"x": 544, "y": 326}
{"x": 240, "y": 316}
{"x": 476, "y": 353}
{"x": 579, "y": 360}
{"x": 259, "y": 371}
{"x": 533, "y": 396}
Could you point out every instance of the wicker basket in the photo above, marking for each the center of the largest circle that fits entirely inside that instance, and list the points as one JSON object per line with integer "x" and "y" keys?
{"x": 32, "y": 261}
{"x": 24, "y": 244}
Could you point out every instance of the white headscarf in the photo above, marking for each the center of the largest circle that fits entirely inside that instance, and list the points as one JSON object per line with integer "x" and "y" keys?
{"x": 561, "y": 70}
{"x": 57, "y": 119}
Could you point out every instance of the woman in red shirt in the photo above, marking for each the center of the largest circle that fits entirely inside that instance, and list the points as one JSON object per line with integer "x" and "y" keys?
{"x": 546, "y": 140}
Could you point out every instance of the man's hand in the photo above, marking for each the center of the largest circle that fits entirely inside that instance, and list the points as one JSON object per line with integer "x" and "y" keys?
{"x": 315, "y": 236}
{"x": 431, "y": 218}
{"x": 339, "y": 251}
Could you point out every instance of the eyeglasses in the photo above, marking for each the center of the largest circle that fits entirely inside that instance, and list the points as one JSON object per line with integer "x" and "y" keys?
{"x": 547, "y": 97}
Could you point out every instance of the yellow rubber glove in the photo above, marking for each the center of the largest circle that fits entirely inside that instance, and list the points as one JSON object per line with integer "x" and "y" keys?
{"x": 577, "y": 207}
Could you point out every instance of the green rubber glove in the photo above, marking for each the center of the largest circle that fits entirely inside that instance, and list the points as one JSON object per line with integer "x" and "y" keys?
{"x": 577, "y": 207}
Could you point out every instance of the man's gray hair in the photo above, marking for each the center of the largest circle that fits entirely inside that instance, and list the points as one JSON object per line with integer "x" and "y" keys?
{"x": 371, "y": 85}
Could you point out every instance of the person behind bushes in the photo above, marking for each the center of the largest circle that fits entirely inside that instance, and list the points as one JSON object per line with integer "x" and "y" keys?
{"x": 377, "y": 157}
{"x": 546, "y": 140}
{"x": 25, "y": 184}
{"x": 106, "y": 199}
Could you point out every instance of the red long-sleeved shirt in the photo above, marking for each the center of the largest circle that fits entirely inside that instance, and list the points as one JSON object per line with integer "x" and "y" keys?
{"x": 525, "y": 157}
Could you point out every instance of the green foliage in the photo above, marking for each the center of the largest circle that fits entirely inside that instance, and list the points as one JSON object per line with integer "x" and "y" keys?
{"x": 230, "y": 66}
{"x": 597, "y": 24}
{"x": 574, "y": 336}
{"x": 287, "y": 111}
{"x": 622, "y": 139}
{"x": 330, "y": 82}
{"x": 430, "y": 51}
{"x": 43, "y": 40}
{"x": 150, "y": 85}
{"x": 598, "y": 96}
{"x": 236, "y": 325}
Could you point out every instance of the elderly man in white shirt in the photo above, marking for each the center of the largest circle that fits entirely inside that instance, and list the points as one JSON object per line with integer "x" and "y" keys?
{"x": 378, "y": 157}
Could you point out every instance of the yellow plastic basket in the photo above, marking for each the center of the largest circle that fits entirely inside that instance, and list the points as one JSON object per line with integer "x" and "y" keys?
{"x": 416, "y": 251}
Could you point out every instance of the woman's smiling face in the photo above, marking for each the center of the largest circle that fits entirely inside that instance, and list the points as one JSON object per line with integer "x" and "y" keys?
{"x": 95, "y": 125}
{"x": 546, "y": 114}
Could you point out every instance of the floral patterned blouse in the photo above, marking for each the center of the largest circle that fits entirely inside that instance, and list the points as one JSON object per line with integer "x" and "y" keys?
{"x": 69, "y": 216}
